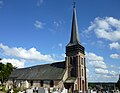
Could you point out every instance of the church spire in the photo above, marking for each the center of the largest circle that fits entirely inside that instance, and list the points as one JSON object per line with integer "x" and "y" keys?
{"x": 74, "y": 31}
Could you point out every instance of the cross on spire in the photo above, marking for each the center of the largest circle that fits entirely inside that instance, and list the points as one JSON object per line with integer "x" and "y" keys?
{"x": 74, "y": 3}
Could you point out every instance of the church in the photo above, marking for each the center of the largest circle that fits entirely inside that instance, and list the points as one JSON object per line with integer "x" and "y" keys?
{"x": 69, "y": 74}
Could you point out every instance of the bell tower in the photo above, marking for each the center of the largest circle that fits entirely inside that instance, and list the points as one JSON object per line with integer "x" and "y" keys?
{"x": 75, "y": 59}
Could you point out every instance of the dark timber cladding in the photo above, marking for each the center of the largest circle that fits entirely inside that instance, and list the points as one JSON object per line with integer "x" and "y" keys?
{"x": 74, "y": 44}
{"x": 75, "y": 48}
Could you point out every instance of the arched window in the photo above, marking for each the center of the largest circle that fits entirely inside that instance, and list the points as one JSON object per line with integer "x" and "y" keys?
{"x": 31, "y": 83}
{"x": 81, "y": 60}
{"x": 51, "y": 83}
{"x": 82, "y": 72}
{"x": 41, "y": 83}
{"x": 71, "y": 60}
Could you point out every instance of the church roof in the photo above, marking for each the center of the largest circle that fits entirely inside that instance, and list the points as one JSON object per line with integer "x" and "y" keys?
{"x": 74, "y": 40}
{"x": 70, "y": 80}
{"x": 54, "y": 71}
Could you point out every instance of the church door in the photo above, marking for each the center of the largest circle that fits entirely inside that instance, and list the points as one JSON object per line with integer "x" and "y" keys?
{"x": 83, "y": 88}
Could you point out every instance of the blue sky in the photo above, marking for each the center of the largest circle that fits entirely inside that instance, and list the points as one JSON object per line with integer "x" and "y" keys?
{"x": 36, "y": 32}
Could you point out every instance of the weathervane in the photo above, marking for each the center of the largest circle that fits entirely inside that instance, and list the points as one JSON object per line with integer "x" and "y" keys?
{"x": 74, "y": 3}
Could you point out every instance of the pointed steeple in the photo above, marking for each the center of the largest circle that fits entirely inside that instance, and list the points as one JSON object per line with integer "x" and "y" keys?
{"x": 74, "y": 40}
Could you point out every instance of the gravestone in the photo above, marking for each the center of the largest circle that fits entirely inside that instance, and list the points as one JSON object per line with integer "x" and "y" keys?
{"x": 20, "y": 92}
{"x": 29, "y": 91}
{"x": 46, "y": 90}
{"x": 41, "y": 90}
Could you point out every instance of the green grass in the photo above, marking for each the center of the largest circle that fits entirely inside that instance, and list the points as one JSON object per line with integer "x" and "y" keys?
{"x": 3, "y": 88}
{"x": 15, "y": 90}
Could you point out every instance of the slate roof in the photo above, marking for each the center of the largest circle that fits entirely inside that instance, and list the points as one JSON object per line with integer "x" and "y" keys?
{"x": 54, "y": 71}
{"x": 74, "y": 40}
{"x": 70, "y": 80}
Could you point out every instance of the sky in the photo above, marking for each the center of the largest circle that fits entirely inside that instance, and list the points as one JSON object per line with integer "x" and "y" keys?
{"x": 34, "y": 32}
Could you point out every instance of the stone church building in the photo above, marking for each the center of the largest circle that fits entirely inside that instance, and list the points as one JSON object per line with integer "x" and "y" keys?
{"x": 69, "y": 74}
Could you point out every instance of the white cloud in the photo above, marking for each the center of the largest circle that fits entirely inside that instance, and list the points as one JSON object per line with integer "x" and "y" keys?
{"x": 107, "y": 28}
{"x": 30, "y": 54}
{"x": 60, "y": 45}
{"x": 100, "y": 42}
{"x": 103, "y": 76}
{"x": 115, "y": 56}
{"x": 101, "y": 71}
{"x": 106, "y": 76}
{"x": 94, "y": 57}
{"x": 39, "y": 2}
{"x": 56, "y": 23}
{"x": 87, "y": 70}
{"x": 63, "y": 55}
{"x": 100, "y": 67}
{"x": 106, "y": 72}
{"x": 59, "y": 57}
{"x": 98, "y": 64}
{"x": 113, "y": 73}
{"x": 115, "y": 45}
{"x": 96, "y": 61}
{"x": 112, "y": 66}
{"x": 14, "y": 62}
{"x": 1, "y": 3}
{"x": 38, "y": 24}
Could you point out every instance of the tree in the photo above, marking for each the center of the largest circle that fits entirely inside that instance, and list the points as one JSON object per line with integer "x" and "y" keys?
{"x": 1, "y": 66}
{"x": 1, "y": 72}
{"x": 5, "y": 71}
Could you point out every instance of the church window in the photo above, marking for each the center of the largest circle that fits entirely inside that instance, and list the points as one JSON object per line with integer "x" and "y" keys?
{"x": 51, "y": 83}
{"x": 82, "y": 72}
{"x": 31, "y": 83}
{"x": 73, "y": 74}
{"x": 41, "y": 83}
{"x": 81, "y": 60}
{"x": 71, "y": 60}
{"x": 84, "y": 60}
{"x": 74, "y": 61}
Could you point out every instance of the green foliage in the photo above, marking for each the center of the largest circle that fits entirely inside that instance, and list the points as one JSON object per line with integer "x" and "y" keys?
{"x": 2, "y": 88}
{"x": 91, "y": 85}
{"x": 5, "y": 71}
{"x": 15, "y": 90}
